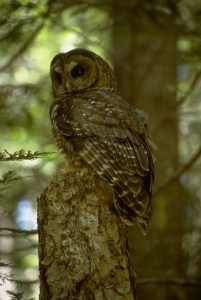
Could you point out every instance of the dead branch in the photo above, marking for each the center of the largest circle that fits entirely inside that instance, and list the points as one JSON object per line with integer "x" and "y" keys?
{"x": 178, "y": 173}
{"x": 14, "y": 231}
{"x": 182, "y": 282}
{"x": 180, "y": 101}
{"x": 31, "y": 38}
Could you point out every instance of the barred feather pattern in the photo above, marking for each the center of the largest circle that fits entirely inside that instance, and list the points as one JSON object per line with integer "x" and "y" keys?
{"x": 109, "y": 135}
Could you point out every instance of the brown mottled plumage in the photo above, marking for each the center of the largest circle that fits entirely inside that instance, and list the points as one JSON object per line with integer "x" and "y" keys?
{"x": 91, "y": 122}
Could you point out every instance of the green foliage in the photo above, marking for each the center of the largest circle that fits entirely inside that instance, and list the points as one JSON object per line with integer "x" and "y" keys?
{"x": 21, "y": 155}
{"x": 31, "y": 33}
{"x": 7, "y": 179}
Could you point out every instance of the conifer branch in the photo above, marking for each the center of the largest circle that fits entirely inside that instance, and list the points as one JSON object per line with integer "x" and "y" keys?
{"x": 4, "y": 278}
{"x": 7, "y": 179}
{"x": 15, "y": 296}
{"x": 5, "y": 265}
{"x": 22, "y": 155}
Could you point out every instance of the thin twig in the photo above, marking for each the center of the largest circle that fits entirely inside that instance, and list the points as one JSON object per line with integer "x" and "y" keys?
{"x": 182, "y": 282}
{"x": 20, "y": 249}
{"x": 178, "y": 103}
{"x": 17, "y": 231}
{"x": 23, "y": 48}
{"x": 154, "y": 62}
{"x": 179, "y": 172}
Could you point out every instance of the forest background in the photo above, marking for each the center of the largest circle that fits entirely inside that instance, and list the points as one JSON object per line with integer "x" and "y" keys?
{"x": 154, "y": 48}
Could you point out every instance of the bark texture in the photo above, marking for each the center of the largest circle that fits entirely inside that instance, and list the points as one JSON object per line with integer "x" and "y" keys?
{"x": 83, "y": 246}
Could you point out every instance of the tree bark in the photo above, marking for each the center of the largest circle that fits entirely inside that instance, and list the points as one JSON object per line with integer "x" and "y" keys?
{"x": 145, "y": 60}
{"x": 83, "y": 246}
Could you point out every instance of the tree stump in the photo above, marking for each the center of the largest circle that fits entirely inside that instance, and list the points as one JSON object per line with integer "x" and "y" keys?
{"x": 83, "y": 245}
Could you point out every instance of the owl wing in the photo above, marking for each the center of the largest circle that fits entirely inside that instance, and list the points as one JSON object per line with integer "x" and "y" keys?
{"x": 112, "y": 138}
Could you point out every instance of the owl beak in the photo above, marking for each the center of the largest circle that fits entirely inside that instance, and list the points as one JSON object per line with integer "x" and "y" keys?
{"x": 68, "y": 86}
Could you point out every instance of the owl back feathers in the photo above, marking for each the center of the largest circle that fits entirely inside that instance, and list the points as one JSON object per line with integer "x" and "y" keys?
{"x": 112, "y": 137}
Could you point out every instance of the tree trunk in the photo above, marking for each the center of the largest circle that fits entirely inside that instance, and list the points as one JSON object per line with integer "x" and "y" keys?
{"x": 83, "y": 246}
{"x": 145, "y": 66}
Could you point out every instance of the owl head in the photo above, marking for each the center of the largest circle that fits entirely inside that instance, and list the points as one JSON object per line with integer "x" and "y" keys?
{"x": 80, "y": 69}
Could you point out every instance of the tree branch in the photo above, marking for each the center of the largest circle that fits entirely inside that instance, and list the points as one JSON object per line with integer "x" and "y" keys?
{"x": 180, "y": 101}
{"x": 14, "y": 231}
{"x": 3, "y": 277}
{"x": 23, "y": 48}
{"x": 178, "y": 173}
{"x": 22, "y": 155}
{"x": 20, "y": 249}
{"x": 182, "y": 282}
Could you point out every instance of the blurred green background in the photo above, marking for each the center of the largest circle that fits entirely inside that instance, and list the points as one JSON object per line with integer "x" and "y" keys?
{"x": 154, "y": 48}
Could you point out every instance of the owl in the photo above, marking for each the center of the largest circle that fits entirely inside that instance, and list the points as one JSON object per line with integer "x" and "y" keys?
{"x": 93, "y": 124}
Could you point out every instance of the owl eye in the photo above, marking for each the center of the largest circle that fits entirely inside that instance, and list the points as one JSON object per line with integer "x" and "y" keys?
{"x": 77, "y": 71}
{"x": 58, "y": 77}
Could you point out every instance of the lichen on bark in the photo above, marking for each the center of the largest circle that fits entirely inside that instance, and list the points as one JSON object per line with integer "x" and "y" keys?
{"x": 83, "y": 245}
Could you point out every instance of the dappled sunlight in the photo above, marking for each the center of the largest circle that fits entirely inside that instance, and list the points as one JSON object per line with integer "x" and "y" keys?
{"x": 26, "y": 216}
{"x": 158, "y": 68}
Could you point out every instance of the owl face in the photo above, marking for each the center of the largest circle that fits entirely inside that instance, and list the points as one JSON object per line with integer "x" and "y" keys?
{"x": 80, "y": 69}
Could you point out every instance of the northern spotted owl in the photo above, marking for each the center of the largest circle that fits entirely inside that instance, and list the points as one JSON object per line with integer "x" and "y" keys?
{"x": 92, "y": 123}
